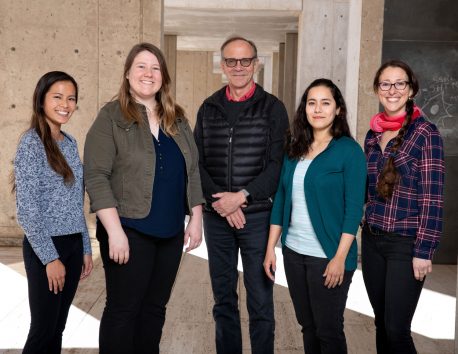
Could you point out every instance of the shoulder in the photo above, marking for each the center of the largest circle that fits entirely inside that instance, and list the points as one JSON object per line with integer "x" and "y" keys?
{"x": 424, "y": 126}
{"x": 348, "y": 143}
{"x": 70, "y": 137}
{"x": 30, "y": 140}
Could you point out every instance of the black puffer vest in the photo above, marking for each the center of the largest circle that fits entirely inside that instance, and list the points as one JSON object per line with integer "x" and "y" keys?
{"x": 234, "y": 156}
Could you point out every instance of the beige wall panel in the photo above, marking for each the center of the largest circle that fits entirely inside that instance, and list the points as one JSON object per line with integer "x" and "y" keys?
{"x": 87, "y": 39}
{"x": 200, "y": 69}
{"x": 184, "y": 84}
{"x": 37, "y": 39}
{"x": 339, "y": 45}
{"x": 370, "y": 60}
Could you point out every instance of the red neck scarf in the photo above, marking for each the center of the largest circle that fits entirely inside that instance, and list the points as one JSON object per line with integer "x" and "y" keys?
{"x": 381, "y": 122}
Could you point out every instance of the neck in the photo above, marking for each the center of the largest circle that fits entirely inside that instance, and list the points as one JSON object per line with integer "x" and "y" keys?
{"x": 237, "y": 93}
{"x": 149, "y": 104}
{"x": 322, "y": 136}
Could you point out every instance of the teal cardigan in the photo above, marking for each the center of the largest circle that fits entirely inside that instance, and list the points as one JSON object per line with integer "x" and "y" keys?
{"x": 334, "y": 186}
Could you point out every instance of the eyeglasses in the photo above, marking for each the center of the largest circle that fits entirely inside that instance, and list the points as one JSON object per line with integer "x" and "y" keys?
{"x": 399, "y": 85}
{"x": 232, "y": 62}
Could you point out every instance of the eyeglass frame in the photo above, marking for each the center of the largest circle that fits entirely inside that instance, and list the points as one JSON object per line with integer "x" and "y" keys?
{"x": 404, "y": 83}
{"x": 239, "y": 61}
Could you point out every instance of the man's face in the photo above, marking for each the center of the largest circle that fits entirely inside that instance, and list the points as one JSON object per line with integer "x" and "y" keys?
{"x": 239, "y": 76}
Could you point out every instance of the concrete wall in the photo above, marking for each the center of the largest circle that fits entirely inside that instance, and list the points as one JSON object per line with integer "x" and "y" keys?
{"x": 195, "y": 80}
{"x": 88, "y": 39}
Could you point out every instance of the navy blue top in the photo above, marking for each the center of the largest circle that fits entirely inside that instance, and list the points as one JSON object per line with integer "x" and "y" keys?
{"x": 166, "y": 217}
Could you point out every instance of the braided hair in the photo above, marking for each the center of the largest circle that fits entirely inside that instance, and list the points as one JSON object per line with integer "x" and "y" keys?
{"x": 389, "y": 176}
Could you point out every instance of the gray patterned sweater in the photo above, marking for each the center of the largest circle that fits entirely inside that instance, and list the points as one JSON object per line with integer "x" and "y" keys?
{"x": 46, "y": 207}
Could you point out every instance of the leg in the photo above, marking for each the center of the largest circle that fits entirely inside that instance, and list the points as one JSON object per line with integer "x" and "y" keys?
{"x": 328, "y": 306}
{"x": 374, "y": 274}
{"x": 152, "y": 316}
{"x": 296, "y": 276}
{"x": 402, "y": 293}
{"x": 48, "y": 310}
{"x": 126, "y": 287}
{"x": 253, "y": 242}
{"x": 71, "y": 254}
{"x": 222, "y": 261}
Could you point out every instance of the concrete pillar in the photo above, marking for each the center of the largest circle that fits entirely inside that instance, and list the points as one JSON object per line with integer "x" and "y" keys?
{"x": 170, "y": 52}
{"x": 323, "y": 52}
{"x": 352, "y": 74}
{"x": 260, "y": 76}
{"x": 268, "y": 72}
{"x": 369, "y": 61}
{"x": 290, "y": 74}
{"x": 91, "y": 46}
{"x": 275, "y": 66}
{"x": 281, "y": 70}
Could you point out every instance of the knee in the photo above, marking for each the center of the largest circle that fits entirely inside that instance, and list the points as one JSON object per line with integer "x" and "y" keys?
{"x": 396, "y": 334}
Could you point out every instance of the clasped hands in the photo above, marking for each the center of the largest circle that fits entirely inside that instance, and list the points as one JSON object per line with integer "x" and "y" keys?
{"x": 229, "y": 205}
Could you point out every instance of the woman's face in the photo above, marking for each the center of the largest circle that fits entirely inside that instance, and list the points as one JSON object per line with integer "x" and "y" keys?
{"x": 59, "y": 104}
{"x": 321, "y": 108}
{"x": 394, "y": 100}
{"x": 145, "y": 76}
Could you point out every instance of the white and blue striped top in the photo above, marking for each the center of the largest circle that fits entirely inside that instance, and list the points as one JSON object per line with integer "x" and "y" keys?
{"x": 301, "y": 237}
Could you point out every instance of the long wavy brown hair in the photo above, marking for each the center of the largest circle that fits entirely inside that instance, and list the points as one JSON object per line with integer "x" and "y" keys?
{"x": 389, "y": 176}
{"x": 167, "y": 110}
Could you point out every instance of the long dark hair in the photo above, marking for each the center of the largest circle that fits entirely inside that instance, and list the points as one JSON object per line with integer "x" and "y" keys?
{"x": 389, "y": 176}
{"x": 167, "y": 109}
{"x": 38, "y": 123}
{"x": 300, "y": 136}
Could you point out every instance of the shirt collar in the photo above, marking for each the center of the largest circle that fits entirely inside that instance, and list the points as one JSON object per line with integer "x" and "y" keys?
{"x": 245, "y": 97}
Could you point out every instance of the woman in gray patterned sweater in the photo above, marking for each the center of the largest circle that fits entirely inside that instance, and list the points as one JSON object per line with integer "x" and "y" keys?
{"x": 49, "y": 199}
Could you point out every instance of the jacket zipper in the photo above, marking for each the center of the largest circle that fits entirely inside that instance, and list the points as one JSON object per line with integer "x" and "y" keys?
{"x": 229, "y": 166}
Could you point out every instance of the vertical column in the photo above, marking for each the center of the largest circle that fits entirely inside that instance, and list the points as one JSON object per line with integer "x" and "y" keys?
{"x": 170, "y": 52}
{"x": 260, "y": 76}
{"x": 369, "y": 61}
{"x": 290, "y": 74}
{"x": 152, "y": 21}
{"x": 267, "y": 73}
{"x": 281, "y": 70}
{"x": 275, "y": 75}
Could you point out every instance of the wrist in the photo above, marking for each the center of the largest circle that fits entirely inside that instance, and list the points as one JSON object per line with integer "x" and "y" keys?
{"x": 245, "y": 194}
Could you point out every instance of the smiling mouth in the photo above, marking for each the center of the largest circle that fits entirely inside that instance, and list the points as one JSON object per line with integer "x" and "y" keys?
{"x": 147, "y": 82}
{"x": 63, "y": 113}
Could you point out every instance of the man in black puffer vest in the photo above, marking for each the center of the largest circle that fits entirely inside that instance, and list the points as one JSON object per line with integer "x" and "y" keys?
{"x": 240, "y": 134}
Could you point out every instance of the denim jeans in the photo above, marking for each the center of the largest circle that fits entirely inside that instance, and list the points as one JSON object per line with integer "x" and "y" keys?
{"x": 223, "y": 244}
{"x": 49, "y": 311}
{"x": 137, "y": 292}
{"x": 392, "y": 288}
{"x": 319, "y": 310}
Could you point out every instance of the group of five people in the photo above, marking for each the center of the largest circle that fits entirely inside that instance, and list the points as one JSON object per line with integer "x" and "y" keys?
{"x": 252, "y": 179}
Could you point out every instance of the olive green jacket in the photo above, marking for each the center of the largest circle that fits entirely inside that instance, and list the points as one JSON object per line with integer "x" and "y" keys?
{"x": 120, "y": 161}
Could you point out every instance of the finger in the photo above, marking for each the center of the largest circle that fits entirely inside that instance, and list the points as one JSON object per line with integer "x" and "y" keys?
{"x": 55, "y": 286}
{"x": 217, "y": 195}
{"x": 126, "y": 257}
{"x": 229, "y": 220}
{"x": 50, "y": 284}
{"x": 341, "y": 278}
{"x": 61, "y": 284}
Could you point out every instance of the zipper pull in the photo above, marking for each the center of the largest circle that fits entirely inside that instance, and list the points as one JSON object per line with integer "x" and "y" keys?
{"x": 230, "y": 135}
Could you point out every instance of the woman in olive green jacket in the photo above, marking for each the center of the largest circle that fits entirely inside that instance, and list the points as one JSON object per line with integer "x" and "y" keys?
{"x": 142, "y": 177}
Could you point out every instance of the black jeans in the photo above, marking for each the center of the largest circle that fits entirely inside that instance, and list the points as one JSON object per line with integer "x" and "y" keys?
{"x": 392, "y": 288}
{"x": 223, "y": 244}
{"x": 319, "y": 310}
{"x": 137, "y": 292}
{"x": 49, "y": 311}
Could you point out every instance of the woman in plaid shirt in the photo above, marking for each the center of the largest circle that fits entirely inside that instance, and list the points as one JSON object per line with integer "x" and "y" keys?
{"x": 403, "y": 218}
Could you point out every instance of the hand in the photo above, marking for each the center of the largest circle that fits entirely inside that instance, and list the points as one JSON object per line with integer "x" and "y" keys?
{"x": 270, "y": 263}
{"x": 55, "y": 271}
{"x": 228, "y": 202}
{"x": 237, "y": 219}
{"x": 421, "y": 267}
{"x": 334, "y": 273}
{"x": 193, "y": 233}
{"x": 118, "y": 247}
{"x": 87, "y": 266}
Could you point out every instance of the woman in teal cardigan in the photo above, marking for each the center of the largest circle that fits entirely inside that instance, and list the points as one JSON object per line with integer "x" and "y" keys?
{"x": 317, "y": 211}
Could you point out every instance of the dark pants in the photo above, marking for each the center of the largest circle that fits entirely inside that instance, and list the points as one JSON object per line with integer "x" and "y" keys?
{"x": 223, "y": 244}
{"x": 49, "y": 311}
{"x": 392, "y": 288}
{"x": 319, "y": 310}
{"x": 137, "y": 292}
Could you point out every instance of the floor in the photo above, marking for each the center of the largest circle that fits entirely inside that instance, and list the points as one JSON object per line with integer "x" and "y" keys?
{"x": 189, "y": 326}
